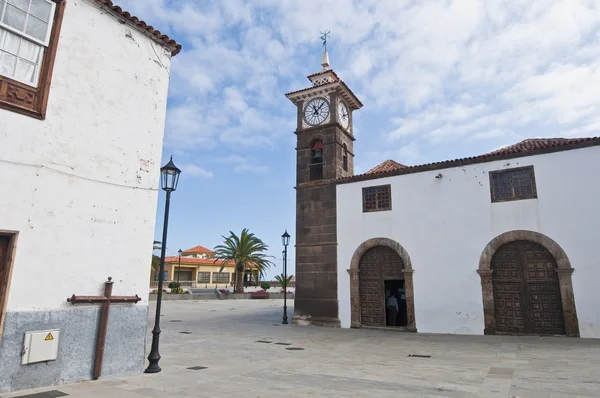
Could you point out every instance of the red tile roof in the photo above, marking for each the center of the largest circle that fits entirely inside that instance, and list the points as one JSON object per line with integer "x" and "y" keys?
{"x": 388, "y": 165}
{"x": 193, "y": 261}
{"x": 119, "y": 11}
{"x": 528, "y": 147}
{"x": 532, "y": 144}
{"x": 198, "y": 250}
{"x": 190, "y": 260}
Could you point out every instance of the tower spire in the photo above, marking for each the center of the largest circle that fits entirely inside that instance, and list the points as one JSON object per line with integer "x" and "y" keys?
{"x": 325, "y": 58}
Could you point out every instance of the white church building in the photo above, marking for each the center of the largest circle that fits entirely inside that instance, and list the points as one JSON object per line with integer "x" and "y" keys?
{"x": 83, "y": 92}
{"x": 501, "y": 243}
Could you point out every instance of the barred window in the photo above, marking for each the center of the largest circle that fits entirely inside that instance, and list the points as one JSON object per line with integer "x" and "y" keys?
{"x": 204, "y": 277}
{"x": 220, "y": 277}
{"x": 378, "y": 198}
{"x": 513, "y": 184}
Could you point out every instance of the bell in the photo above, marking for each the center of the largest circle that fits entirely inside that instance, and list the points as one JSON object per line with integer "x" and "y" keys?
{"x": 317, "y": 156}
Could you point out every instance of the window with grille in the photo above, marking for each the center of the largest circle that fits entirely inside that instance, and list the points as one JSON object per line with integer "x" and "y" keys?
{"x": 220, "y": 277}
{"x": 345, "y": 158}
{"x": 204, "y": 277}
{"x": 513, "y": 184}
{"x": 378, "y": 198}
{"x": 25, "y": 27}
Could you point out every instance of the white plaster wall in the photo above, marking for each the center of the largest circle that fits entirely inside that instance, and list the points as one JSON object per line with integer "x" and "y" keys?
{"x": 444, "y": 225}
{"x": 81, "y": 186}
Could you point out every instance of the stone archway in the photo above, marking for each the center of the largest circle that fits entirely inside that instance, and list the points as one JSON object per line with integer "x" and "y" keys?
{"x": 355, "y": 321}
{"x": 564, "y": 271}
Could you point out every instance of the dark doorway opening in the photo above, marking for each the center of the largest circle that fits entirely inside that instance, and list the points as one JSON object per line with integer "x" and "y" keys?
{"x": 6, "y": 244}
{"x": 395, "y": 288}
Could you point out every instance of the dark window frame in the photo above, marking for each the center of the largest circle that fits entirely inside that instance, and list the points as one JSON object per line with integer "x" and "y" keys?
{"x": 218, "y": 274}
{"x": 345, "y": 157}
{"x": 33, "y": 101}
{"x": 203, "y": 274}
{"x": 380, "y": 202}
{"x": 165, "y": 273}
{"x": 497, "y": 173}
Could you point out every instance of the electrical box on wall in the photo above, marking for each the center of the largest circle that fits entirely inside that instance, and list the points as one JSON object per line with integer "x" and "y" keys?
{"x": 40, "y": 346}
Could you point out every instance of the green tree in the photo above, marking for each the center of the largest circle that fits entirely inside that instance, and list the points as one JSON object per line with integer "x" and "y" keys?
{"x": 284, "y": 282}
{"x": 243, "y": 252}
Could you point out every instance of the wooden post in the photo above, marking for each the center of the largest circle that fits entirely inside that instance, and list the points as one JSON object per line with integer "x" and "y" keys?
{"x": 103, "y": 326}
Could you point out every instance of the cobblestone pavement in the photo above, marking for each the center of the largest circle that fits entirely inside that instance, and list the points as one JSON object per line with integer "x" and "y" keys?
{"x": 298, "y": 361}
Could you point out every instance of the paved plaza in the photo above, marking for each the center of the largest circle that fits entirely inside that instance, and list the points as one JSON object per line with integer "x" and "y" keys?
{"x": 244, "y": 351}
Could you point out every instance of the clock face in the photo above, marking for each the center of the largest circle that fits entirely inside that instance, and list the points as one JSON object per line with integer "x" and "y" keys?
{"x": 343, "y": 115}
{"x": 316, "y": 111}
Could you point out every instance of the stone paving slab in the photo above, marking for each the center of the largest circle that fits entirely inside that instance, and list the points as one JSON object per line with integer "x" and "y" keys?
{"x": 223, "y": 336}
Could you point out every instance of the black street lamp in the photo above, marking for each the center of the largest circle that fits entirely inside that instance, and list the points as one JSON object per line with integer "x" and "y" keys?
{"x": 169, "y": 177}
{"x": 285, "y": 239}
{"x": 179, "y": 267}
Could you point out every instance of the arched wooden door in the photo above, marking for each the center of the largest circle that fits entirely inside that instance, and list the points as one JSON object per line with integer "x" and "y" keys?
{"x": 526, "y": 290}
{"x": 377, "y": 265}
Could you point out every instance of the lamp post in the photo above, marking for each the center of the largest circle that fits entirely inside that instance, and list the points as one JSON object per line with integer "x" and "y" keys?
{"x": 285, "y": 239}
{"x": 179, "y": 267}
{"x": 169, "y": 177}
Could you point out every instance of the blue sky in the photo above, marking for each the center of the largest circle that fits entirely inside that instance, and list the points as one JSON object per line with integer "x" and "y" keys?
{"x": 439, "y": 79}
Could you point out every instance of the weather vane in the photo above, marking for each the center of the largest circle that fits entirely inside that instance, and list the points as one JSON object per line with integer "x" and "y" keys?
{"x": 324, "y": 36}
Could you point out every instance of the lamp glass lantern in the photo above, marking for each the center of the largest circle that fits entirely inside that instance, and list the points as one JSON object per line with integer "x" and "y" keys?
{"x": 169, "y": 176}
{"x": 285, "y": 238}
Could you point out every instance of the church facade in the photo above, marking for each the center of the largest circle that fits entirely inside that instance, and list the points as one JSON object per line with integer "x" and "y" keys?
{"x": 83, "y": 92}
{"x": 502, "y": 243}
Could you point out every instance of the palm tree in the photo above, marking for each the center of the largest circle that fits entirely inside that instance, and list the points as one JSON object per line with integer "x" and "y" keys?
{"x": 284, "y": 282}
{"x": 243, "y": 252}
{"x": 156, "y": 245}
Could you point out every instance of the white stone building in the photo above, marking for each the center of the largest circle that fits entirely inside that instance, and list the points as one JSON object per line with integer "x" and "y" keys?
{"x": 498, "y": 243}
{"x": 83, "y": 92}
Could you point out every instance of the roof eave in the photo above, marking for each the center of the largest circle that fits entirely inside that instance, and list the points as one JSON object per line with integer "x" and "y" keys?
{"x": 486, "y": 158}
{"x": 141, "y": 26}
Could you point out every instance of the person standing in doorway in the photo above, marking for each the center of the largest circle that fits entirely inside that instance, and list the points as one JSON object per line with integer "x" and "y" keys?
{"x": 392, "y": 306}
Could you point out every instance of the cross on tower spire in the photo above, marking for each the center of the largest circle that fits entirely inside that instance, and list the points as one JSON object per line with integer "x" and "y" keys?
{"x": 325, "y": 59}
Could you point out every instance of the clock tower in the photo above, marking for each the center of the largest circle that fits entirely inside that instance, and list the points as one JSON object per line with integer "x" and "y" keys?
{"x": 324, "y": 153}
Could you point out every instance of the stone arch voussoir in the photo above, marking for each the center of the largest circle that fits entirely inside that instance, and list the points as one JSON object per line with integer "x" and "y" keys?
{"x": 408, "y": 279}
{"x": 564, "y": 272}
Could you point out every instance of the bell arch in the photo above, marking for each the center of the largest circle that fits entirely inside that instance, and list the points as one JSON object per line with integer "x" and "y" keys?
{"x": 355, "y": 309}
{"x": 316, "y": 159}
{"x": 564, "y": 271}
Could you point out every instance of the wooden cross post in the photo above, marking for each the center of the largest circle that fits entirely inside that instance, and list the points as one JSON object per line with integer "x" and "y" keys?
{"x": 105, "y": 300}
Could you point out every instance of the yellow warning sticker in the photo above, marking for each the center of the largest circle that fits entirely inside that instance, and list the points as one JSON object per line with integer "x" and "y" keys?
{"x": 49, "y": 337}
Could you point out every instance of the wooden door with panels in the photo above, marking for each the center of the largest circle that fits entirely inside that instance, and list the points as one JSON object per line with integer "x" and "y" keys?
{"x": 526, "y": 288}
{"x": 377, "y": 265}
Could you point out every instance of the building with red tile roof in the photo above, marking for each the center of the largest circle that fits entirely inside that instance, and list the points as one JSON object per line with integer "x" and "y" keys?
{"x": 197, "y": 268}
{"x": 499, "y": 243}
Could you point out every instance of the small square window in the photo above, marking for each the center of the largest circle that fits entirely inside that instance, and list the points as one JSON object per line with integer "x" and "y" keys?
{"x": 378, "y": 198}
{"x": 513, "y": 184}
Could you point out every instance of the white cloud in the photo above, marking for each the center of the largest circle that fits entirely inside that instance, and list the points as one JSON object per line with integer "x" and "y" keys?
{"x": 244, "y": 164}
{"x": 429, "y": 72}
{"x": 196, "y": 171}
{"x": 260, "y": 169}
